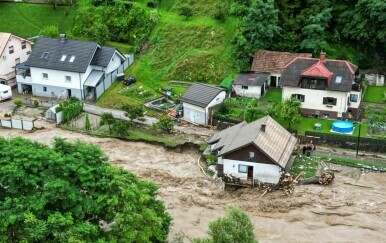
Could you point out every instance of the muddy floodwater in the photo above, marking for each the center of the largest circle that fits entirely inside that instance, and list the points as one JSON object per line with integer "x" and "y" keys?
{"x": 352, "y": 209}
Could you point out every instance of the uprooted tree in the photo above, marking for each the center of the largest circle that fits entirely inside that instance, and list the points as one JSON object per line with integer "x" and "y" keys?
{"x": 70, "y": 193}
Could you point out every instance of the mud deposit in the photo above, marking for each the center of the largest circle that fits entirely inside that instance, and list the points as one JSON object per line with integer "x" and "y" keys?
{"x": 352, "y": 209}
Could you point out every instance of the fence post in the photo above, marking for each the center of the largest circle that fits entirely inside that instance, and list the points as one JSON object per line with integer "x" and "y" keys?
{"x": 22, "y": 126}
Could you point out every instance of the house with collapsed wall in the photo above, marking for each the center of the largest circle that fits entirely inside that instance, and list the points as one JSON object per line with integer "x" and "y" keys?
{"x": 256, "y": 152}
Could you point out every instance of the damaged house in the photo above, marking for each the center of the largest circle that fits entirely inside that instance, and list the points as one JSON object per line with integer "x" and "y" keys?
{"x": 256, "y": 152}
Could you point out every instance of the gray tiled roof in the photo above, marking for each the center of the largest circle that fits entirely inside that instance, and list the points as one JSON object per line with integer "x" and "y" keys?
{"x": 200, "y": 94}
{"x": 82, "y": 50}
{"x": 103, "y": 56}
{"x": 251, "y": 79}
{"x": 276, "y": 142}
{"x": 291, "y": 74}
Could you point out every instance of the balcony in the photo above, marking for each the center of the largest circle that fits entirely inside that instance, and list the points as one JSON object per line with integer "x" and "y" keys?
{"x": 23, "y": 79}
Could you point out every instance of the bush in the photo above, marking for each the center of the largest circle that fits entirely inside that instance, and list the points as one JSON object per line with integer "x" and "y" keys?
{"x": 35, "y": 102}
{"x": 221, "y": 12}
{"x": 165, "y": 124}
{"x": 17, "y": 102}
{"x": 186, "y": 10}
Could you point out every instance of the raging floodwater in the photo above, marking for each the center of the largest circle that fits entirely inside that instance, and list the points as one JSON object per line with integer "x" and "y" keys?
{"x": 352, "y": 209}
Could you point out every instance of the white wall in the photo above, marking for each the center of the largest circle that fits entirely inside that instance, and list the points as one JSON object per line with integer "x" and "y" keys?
{"x": 218, "y": 100}
{"x": 55, "y": 78}
{"x": 252, "y": 91}
{"x": 114, "y": 63}
{"x": 355, "y": 104}
{"x": 266, "y": 173}
{"x": 9, "y": 61}
{"x": 194, "y": 114}
{"x": 314, "y": 99}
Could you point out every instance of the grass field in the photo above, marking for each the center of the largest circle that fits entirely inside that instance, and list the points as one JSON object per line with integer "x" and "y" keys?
{"x": 198, "y": 49}
{"x": 273, "y": 95}
{"x": 27, "y": 20}
{"x": 375, "y": 94}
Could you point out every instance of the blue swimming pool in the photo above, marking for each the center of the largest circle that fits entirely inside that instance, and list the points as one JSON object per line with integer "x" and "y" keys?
{"x": 342, "y": 126}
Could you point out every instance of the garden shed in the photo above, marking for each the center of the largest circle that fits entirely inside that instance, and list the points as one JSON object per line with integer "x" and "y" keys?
{"x": 52, "y": 115}
{"x": 253, "y": 85}
{"x": 199, "y": 102}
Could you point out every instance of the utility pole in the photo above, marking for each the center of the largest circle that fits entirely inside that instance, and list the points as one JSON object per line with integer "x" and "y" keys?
{"x": 359, "y": 136}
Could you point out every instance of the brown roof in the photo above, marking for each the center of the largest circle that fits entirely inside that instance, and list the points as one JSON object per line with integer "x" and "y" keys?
{"x": 273, "y": 61}
{"x": 343, "y": 72}
{"x": 275, "y": 142}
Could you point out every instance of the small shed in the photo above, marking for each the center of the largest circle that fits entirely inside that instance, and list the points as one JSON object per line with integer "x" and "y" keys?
{"x": 52, "y": 115}
{"x": 253, "y": 85}
{"x": 199, "y": 102}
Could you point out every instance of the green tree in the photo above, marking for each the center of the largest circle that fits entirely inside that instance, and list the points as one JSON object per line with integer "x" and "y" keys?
{"x": 314, "y": 31}
{"x": 165, "y": 124}
{"x": 134, "y": 112}
{"x": 235, "y": 226}
{"x": 87, "y": 124}
{"x": 256, "y": 31}
{"x": 108, "y": 119}
{"x": 287, "y": 111}
{"x": 70, "y": 193}
{"x": 252, "y": 111}
{"x": 186, "y": 10}
{"x": 50, "y": 31}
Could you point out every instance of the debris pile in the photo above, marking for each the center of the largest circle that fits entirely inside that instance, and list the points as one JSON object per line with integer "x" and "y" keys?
{"x": 231, "y": 179}
{"x": 325, "y": 178}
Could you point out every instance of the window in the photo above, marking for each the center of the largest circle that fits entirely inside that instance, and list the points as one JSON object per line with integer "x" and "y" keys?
{"x": 23, "y": 45}
{"x": 5, "y": 92}
{"x": 44, "y": 89}
{"x": 244, "y": 87}
{"x": 243, "y": 168}
{"x": 353, "y": 98}
{"x": 313, "y": 83}
{"x": 68, "y": 78}
{"x": 17, "y": 60}
{"x": 197, "y": 115}
{"x": 298, "y": 97}
{"x": 45, "y": 75}
{"x": 63, "y": 58}
{"x": 338, "y": 79}
{"x": 28, "y": 52}
{"x": 329, "y": 101}
{"x": 72, "y": 58}
{"x": 11, "y": 50}
{"x": 113, "y": 59}
{"x": 251, "y": 155}
{"x": 4, "y": 57}
{"x": 45, "y": 55}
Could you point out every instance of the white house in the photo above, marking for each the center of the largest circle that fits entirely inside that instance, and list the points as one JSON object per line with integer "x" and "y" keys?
{"x": 256, "y": 152}
{"x": 13, "y": 50}
{"x": 199, "y": 102}
{"x": 272, "y": 62}
{"x": 62, "y": 68}
{"x": 253, "y": 85}
{"x": 326, "y": 88}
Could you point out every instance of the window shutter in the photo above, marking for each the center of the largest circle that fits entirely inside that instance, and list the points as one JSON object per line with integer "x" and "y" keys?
{"x": 293, "y": 96}
{"x": 334, "y": 101}
{"x": 324, "y": 100}
{"x": 303, "y": 98}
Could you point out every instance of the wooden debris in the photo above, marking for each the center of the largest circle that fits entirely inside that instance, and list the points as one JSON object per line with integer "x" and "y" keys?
{"x": 325, "y": 179}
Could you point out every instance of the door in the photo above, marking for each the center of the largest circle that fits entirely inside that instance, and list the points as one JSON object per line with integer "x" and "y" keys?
{"x": 69, "y": 93}
{"x": 250, "y": 172}
{"x": 262, "y": 91}
{"x": 273, "y": 81}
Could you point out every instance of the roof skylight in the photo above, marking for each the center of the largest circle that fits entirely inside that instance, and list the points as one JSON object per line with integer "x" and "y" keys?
{"x": 338, "y": 79}
{"x": 72, "y": 58}
{"x": 45, "y": 55}
{"x": 63, "y": 58}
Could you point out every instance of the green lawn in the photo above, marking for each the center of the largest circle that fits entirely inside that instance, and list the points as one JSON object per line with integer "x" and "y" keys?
{"x": 375, "y": 94}
{"x": 122, "y": 47}
{"x": 27, "y": 20}
{"x": 273, "y": 95}
{"x": 308, "y": 165}
{"x": 308, "y": 124}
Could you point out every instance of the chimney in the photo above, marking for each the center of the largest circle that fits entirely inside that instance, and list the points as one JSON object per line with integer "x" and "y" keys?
{"x": 322, "y": 57}
{"x": 62, "y": 37}
{"x": 263, "y": 127}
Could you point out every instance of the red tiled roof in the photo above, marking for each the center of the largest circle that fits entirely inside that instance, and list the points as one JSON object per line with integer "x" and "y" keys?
{"x": 273, "y": 61}
{"x": 318, "y": 70}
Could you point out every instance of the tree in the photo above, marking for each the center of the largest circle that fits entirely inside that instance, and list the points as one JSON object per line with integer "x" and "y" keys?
{"x": 186, "y": 10}
{"x": 70, "y": 193}
{"x": 134, "y": 112}
{"x": 288, "y": 110}
{"x": 87, "y": 124}
{"x": 314, "y": 31}
{"x": 108, "y": 119}
{"x": 235, "y": 226}
{"x": 165, "y": 124}
{"x": 252, "y": 112}
{"x": 256, "y": 31}
{"x": 50, "y": 31}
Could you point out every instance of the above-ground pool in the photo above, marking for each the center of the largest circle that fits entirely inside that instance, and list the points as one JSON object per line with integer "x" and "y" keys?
{"x": 342, "y": 126}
